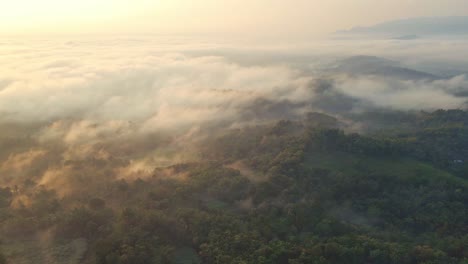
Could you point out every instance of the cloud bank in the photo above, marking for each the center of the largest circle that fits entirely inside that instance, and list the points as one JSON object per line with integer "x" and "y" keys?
{"x": 81, "y": 111}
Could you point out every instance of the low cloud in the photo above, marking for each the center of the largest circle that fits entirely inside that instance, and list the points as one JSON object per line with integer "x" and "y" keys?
{"x": 85, "y": 111}
{"x": 405, "y": 94}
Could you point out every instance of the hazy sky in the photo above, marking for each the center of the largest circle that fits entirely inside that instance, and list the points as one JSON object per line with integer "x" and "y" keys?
{"x": 254, "y": 17}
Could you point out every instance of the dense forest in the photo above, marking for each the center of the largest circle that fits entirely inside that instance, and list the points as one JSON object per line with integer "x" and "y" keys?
{"x": 312, "y": 190}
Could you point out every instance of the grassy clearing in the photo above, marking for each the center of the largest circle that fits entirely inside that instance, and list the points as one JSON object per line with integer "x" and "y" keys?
{"x": 403, "y": 168}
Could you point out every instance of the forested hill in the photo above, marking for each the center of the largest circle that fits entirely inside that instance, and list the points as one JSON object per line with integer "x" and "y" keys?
{"x": 302, "y": 191}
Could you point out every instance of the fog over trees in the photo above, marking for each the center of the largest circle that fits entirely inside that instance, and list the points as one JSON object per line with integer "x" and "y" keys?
{"x": 161, "y": 149}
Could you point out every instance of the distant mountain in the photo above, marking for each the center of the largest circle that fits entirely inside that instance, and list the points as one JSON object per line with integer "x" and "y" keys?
{"x": 407, "y": 37}
{"x": 376, "y": 66}
{"x": 414, "y": 27}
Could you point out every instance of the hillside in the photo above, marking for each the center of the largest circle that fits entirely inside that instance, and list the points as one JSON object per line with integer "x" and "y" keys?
{"x": 375, "y": 66}
{"x": 289, "y": 192}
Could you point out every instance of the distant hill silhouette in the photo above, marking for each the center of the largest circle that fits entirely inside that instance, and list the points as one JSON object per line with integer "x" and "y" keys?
{"x": 376, "y": 66}
{"x": 420, "y": 27}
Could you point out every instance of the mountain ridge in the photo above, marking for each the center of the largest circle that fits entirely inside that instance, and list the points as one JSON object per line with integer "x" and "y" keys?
{"x": 419, "y": 26}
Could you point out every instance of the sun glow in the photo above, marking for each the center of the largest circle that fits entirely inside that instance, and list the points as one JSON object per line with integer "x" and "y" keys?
{"x": 23, "y": 16}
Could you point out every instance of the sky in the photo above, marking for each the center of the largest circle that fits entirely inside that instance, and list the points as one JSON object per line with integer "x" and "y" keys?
{"x": 234, "y": 17}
